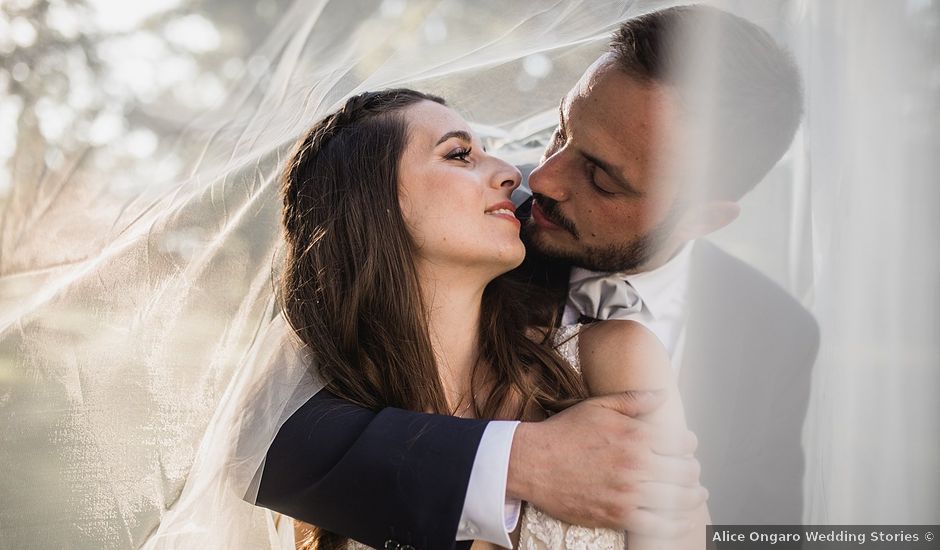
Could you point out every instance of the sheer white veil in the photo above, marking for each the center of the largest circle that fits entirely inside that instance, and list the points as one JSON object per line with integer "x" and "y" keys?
{"x": 144, "y": 368}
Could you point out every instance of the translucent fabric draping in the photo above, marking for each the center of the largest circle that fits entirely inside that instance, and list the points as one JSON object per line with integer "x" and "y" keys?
{"x": 144, "y": 367}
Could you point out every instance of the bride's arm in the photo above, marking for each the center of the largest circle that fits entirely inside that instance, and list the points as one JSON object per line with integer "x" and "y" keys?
{"x": 618, "y": 356}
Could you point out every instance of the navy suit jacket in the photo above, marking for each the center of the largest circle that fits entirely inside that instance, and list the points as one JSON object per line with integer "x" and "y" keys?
{"x": 390, "y": 479}
{"x": 396, "y": 478}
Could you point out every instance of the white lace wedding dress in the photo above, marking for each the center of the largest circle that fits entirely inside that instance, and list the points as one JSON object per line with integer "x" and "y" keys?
{"x": 538, "y": 530}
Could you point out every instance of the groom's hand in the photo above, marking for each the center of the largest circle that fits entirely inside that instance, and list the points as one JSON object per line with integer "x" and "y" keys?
{"x": 596, "y": 465}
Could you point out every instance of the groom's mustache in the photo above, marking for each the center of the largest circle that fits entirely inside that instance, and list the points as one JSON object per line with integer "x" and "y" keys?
{"x": 551, "y": 210}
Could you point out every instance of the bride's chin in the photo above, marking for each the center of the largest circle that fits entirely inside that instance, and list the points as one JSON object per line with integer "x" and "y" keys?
{"x": 495, "y": 266}
{"x": 512, "y": 257}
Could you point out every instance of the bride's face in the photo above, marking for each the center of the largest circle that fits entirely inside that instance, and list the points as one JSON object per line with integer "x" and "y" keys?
{"x": 454, "y": 196}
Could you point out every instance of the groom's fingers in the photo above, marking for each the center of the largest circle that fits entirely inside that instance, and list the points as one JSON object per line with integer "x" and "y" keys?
{"x": 662, "y": 440}
{"x": 587, "y": 464}
{"x": 669, "y": 498}
{"x": 673, "y": 442}
{"x": 674, "y": 470}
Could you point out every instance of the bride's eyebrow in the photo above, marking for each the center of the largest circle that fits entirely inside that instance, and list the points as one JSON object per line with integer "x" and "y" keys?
{"x": 459, "y": 134}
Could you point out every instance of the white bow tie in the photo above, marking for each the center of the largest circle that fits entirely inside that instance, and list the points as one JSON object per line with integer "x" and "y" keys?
{"x": 604, "y": 296}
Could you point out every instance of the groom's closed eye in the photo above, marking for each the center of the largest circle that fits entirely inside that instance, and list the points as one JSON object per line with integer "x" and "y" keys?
{"x": 612, "y": 173}
{"x": 619, "y": 183}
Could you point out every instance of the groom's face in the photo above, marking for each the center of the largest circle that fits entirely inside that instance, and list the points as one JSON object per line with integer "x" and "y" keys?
{"x": 602, "y": 198}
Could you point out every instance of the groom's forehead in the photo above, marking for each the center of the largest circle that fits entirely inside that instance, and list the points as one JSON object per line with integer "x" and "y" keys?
{"x": 624, "y": 120}
{"x": 588, "y": 81}
{"x": 589, "y": 77}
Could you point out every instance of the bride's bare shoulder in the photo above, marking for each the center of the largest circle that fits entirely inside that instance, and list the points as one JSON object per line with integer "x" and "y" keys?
{"x": 622, "y": 355}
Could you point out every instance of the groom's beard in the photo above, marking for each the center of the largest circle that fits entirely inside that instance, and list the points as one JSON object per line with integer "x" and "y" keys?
{"x": 630, "y": 256}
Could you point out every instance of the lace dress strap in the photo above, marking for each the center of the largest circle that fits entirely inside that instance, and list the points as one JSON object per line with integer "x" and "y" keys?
{"x": 566, "y": 343}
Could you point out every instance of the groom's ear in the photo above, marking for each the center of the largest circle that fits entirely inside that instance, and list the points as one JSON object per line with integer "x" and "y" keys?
{"x": 706, "y": 217}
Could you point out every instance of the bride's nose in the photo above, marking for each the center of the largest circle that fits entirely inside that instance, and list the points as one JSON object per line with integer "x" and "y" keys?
{"x": 506, "y": 176}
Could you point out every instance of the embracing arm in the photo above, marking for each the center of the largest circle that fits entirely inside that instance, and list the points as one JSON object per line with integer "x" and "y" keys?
{"x": 619, "y": 356}
{"x": 394, "y": 475}
{"x": 403, "y": 476}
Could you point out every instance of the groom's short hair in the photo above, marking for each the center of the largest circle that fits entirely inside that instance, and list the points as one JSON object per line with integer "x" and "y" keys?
{"x": 755, "y": 101}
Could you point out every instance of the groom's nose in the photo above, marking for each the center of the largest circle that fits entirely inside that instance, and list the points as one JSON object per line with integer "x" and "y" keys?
{"x": 551, "y": 178}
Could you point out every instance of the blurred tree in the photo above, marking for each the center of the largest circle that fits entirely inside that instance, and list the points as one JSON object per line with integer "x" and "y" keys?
{"x": 93, "y": 92}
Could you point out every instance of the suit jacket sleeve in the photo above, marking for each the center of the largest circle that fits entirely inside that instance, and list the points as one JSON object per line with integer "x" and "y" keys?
{"x": 745, "y": 383}
{"x": 375, "y": 477}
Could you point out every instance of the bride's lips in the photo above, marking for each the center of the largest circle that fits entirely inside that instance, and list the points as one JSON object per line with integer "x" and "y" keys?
{"x": 504, "y": 209}
{"x": 540, "y": 220}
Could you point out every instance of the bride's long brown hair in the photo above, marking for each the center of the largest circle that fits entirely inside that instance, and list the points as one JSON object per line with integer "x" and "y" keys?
{"x": 350, "y": 287}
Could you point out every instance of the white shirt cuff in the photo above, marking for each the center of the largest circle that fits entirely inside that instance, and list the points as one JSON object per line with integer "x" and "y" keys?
{"x": 488, "y": 514}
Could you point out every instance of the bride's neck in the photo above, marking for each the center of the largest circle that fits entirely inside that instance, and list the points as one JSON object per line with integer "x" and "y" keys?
{"x": 453, "y": 301}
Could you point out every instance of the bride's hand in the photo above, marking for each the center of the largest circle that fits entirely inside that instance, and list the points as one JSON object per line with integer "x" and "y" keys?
{"x": 594, "y": 464}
